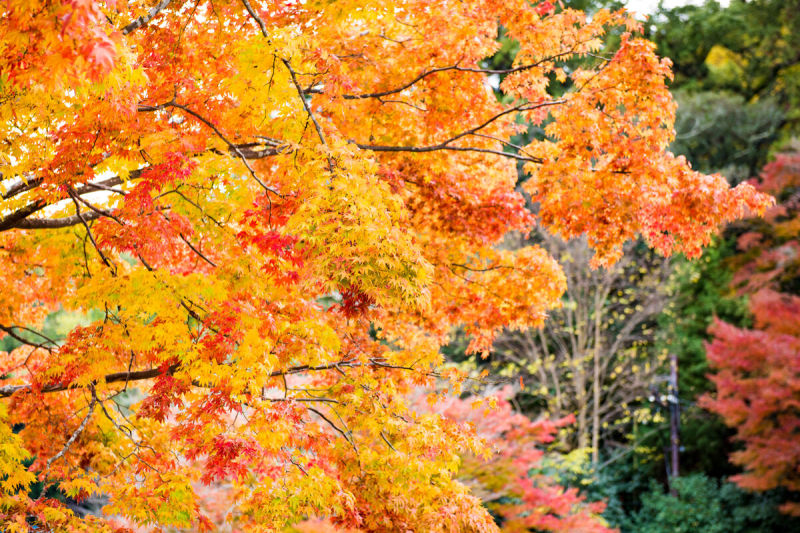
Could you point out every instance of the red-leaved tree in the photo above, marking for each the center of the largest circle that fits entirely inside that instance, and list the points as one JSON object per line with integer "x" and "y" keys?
{"x": 758, "y": 370}
{"x": 511, "y": 482}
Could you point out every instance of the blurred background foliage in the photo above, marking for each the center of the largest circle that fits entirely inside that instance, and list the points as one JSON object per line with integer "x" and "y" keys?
{"x": 737, "y": 83}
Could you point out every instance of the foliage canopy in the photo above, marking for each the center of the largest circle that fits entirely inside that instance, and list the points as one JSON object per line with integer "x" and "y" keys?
{"x": 280, "y": 210}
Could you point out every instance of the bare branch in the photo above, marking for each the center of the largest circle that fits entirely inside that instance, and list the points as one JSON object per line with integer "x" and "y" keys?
{"x": 455, "y": 68}
{"x": 447, "y": 144}
{"x": 11, "y": 333}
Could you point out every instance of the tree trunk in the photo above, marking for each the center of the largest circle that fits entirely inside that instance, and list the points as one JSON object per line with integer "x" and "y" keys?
{"x": 583, "y": 403}
{"x": 596, "y": 384}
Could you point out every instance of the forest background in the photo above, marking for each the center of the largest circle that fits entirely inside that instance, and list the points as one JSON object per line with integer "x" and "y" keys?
{"x": 653, "y": 341}
{"x": 606, "y": 358}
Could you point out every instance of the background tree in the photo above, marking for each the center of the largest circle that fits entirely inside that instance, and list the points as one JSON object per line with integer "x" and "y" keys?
{"x": 758, "y": 369}
{"x": 515, "y": 483}
{"x": 594, "y": 358}
{"x": 704, "y": 504}
{"x": 747, "y": 48}
{"x": 756, "y": 378}
{"x": 722, "y": 132}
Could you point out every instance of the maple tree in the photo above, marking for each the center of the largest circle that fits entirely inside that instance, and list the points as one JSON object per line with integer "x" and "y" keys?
{"x": 280, "y": 210}
{"x": 509, "y": 476}
{"x": 512, "y": 482}
{"x": 757, "y": 375}
{"x": 769, "y": 247}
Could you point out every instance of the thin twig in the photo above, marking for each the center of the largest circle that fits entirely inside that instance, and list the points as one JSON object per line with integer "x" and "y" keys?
{"x": 307, "y": 107}
{"x": 72, "y": 439}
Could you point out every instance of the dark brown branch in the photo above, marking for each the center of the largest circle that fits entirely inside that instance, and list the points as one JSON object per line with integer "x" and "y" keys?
{"x": 11, "y": 333}
{"x": 455, "y": 68}
{"x": 140, "y": 375}
{"x": 231, "y": 146}
{"x": 110, "y": 264}
{"x": 488, "y": 269}
{"x": 302, "y": 96}
{"x": 137, "y": 375}
{"x": 21, "y": 187}
{"x": 331, "y": 424}
{"x": 389, "y": 444}
{"x": 94, "y": 209}
{"x": 447, "y": 144}
{"x": 196, "y": 251}
{"x": 63, "y": 222}
{"x": 193, "y": 203}
{"x": 19, "y": 219}
{"x": 379, "y": 148}
{"x": 255, "y": 17}
{"x": 12, "y": 219}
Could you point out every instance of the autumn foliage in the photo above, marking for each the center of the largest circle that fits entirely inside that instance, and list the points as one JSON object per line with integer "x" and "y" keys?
{"x": 279, "y": 211}
{"x": 511, "y": 479}
{"x": 758, "y": 370}
{"x": 758, "y": 386}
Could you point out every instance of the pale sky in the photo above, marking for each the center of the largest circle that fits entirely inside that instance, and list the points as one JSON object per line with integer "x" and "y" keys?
{"x": 647, "y": 7}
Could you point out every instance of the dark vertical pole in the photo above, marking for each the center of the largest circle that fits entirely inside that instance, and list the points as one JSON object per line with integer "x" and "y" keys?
{"x": 674, "y": 417}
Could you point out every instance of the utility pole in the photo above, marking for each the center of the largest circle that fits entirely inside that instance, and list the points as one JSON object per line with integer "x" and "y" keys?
{"x": 674, "y": 419}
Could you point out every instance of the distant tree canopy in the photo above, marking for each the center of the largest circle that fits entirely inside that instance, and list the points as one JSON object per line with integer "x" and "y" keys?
{"x": 748, "y": 48}
{"x": 722, "y": 132}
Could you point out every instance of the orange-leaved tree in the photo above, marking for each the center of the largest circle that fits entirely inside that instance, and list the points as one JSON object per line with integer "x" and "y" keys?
{"x": 278, "y": 210}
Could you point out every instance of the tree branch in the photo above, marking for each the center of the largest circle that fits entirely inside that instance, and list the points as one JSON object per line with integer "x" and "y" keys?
{"x": 19, "y": 218}
{"x": 140, "y": 375}
{"x": 144, "y": 19}
{"x": 231, "y": 146}
{"x": 447, "y": 144}
{"x": 255, "y": 17}
{"x": 455, "y": 68}
{"x": 72, "y": 439}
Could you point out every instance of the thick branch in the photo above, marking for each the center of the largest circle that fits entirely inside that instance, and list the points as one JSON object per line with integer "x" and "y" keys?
{"x": 11, "y": 220}
{"x": 151, "y": 373}
{"x": 21, "y": 187}
{"x": 19, "y": 219}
